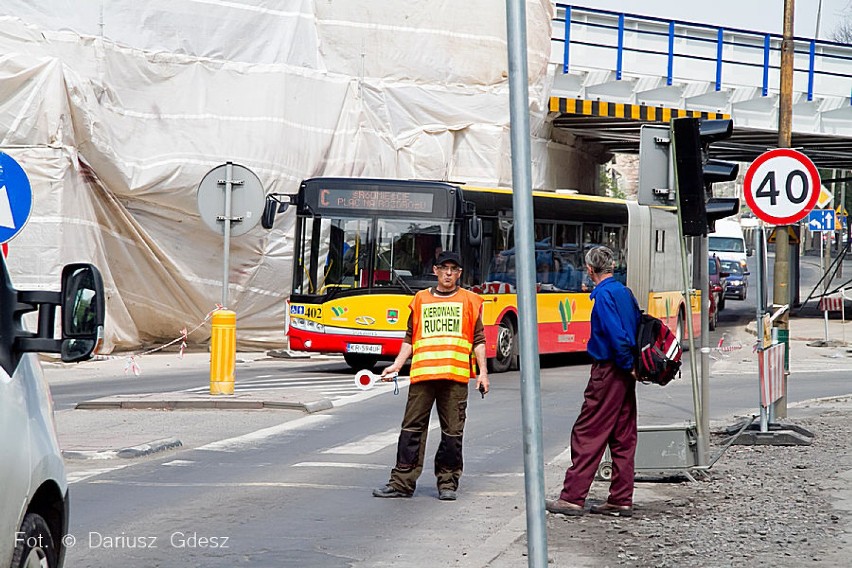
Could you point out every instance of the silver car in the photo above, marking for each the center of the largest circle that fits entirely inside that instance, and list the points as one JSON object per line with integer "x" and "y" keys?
{"x": 34, "y": 495}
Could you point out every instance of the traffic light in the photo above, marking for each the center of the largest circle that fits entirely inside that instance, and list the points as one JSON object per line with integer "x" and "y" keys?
{"x": 719, "y": 208}
{"x": 696, "y": 173}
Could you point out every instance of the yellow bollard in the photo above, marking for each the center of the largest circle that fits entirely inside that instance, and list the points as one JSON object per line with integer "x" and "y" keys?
{"x": 223, "y": 352}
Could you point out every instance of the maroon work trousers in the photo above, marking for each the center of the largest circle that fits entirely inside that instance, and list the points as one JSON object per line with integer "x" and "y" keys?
{"x": 608, "y": 416}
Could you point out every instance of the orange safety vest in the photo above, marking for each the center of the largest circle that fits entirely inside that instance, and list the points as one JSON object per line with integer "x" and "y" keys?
{"x": 442, "y": 335}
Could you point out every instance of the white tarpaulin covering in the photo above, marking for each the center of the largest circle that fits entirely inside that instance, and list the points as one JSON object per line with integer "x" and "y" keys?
{"x": 117, "y": 110}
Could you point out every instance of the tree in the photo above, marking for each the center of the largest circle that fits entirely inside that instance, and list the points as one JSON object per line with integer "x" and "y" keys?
{"x": 843, "y": 31}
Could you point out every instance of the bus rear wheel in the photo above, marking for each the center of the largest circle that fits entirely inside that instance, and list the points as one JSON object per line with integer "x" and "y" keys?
{"x": 358, "y": 361}
{"x": 507, "y": 347}
{"x": 680, "y": 330}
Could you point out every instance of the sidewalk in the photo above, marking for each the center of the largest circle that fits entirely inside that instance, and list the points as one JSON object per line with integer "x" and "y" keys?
{"x": 780, "y": 506}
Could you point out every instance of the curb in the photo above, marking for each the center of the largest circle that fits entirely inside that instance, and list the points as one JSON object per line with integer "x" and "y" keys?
{"x": 287, "y": 354}
{"x": 113, "y": 404}
{"x": 125, "y": 453}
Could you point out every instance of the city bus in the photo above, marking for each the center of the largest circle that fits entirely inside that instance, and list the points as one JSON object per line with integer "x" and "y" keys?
{"x": 364, "y": 247}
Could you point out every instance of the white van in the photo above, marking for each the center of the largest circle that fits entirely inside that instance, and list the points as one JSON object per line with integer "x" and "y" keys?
{"x": 34, "y": 494}
{"x": 728, "y": 243}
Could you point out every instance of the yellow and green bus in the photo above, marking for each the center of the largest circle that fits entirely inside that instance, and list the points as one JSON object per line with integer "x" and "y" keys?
{"x": 363, "y": 247}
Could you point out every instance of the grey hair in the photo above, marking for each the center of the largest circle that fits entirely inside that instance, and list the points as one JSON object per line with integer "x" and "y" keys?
{"x": 601, "y": 260}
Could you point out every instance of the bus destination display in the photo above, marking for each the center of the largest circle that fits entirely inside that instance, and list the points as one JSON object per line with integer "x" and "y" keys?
{"x": 376, "y": 200}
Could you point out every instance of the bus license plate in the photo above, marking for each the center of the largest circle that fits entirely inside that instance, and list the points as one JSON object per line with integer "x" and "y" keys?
{"x": 363, "y": 348}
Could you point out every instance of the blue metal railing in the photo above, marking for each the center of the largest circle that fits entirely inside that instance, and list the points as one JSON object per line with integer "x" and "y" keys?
{"x": 586, "y": 19}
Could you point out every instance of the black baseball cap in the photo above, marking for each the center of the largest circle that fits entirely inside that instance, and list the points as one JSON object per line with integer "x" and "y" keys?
{"x": 448, "y": 256}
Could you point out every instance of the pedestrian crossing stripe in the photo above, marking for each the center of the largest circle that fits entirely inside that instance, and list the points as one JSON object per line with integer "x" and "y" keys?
{"x": 330, "y": 386}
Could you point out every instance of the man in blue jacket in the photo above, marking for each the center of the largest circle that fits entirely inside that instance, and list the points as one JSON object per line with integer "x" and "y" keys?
{"x": 608, "y": 415}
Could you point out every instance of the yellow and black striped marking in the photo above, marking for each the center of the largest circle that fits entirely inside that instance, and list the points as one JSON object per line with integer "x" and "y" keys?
{"x": 628, "y": 111}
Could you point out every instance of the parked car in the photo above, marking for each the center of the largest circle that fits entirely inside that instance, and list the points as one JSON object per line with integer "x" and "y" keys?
{"x": 736, "y": 284}
{"x": 34, "y": 495}
{"x": 713, "y": 314}
{"x": 718, "y": 280}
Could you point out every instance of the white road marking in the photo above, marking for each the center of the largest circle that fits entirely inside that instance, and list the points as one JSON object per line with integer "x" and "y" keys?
{"x": 288, "y": 382}
{"x": 373, "y": 443}
{"x": 562, "y": 459}
{"x": 253, "y": 438}
{"x": 229, "y": 484}
{"x": 368, "y": 445}
{"x": 178, "y": 462}
{"x": 378, "y": 389}
{"x": 341, "y": 464}
{"x": 78, "y": 476}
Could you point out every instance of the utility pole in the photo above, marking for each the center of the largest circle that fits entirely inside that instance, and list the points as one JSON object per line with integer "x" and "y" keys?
{"x": 781, "y": 288}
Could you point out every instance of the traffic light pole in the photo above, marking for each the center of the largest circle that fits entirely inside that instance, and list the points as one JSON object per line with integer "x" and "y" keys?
{"x": 781, "y": 288}
{"x": 700, "y": 432}
{"x": 702, "y": 258}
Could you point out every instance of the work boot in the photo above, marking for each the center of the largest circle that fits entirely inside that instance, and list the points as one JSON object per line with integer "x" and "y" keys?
{"x": 447, "y": 495}
{"x": 389, "y": 491}
{"x": 562, "y": 507}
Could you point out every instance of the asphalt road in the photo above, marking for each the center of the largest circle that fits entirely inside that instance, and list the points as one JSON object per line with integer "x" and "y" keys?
{"x": 298, "y": 493}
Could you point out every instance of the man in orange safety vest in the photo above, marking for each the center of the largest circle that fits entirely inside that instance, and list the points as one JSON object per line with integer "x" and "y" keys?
{"x": 444, "y": 327}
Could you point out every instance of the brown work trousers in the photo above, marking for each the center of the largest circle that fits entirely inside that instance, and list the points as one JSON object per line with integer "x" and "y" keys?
{"x": 450, "y": 398}
{"x": 608, "y": 416}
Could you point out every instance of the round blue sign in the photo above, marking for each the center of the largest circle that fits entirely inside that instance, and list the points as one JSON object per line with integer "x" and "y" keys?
{"x": 16, "y": 198}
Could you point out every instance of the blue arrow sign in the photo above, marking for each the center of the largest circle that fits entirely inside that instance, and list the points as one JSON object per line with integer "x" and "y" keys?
{"x": 821, "y": 220}
{"x": 16, "y": 198}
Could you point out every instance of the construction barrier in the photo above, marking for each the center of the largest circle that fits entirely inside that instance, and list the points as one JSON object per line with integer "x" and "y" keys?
{"x": 771, "y": 369}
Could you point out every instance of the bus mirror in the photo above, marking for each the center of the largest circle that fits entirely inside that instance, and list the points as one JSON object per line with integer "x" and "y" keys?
{"x": 474, "y": 231}
{"x": 274, "y": 204}
{"x": 269, "y": 211}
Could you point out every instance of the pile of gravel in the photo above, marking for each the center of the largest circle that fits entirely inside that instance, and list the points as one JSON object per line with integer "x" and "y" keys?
{"x": 760, "y": 506}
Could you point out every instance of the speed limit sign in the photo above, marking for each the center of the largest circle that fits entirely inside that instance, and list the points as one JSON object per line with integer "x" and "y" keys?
{"x": 781, "y": 186}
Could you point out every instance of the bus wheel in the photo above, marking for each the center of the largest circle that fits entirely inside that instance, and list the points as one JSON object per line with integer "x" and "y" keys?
{"x": 507, "y": 348}
{"x": 680, "y": 330}
{"x": 358, "y": 361}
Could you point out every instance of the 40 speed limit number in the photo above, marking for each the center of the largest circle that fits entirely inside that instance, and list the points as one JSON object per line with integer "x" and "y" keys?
{"x": 781, "y": 186}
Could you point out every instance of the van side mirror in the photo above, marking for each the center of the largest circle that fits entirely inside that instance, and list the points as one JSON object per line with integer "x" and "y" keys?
{"x": 83, "y": 312}
{"x": 82, "y": 302}
{"x": 750, "y": 252}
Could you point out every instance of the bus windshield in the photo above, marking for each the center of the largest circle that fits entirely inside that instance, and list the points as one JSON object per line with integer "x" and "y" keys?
{"x": 347, "y": 253}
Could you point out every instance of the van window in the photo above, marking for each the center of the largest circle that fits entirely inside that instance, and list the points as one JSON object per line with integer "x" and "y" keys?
{"x": 726, "y": 244}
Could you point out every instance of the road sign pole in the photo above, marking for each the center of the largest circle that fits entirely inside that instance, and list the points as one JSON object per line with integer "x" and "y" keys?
{"x": 760, "y": 253}
{"x": 781, "y": 290}
{"x": 516, "y": 32}
{"x": 822, "y": 265}
{"x": 226, "y": 219}
{"x": 795, "y": 206}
